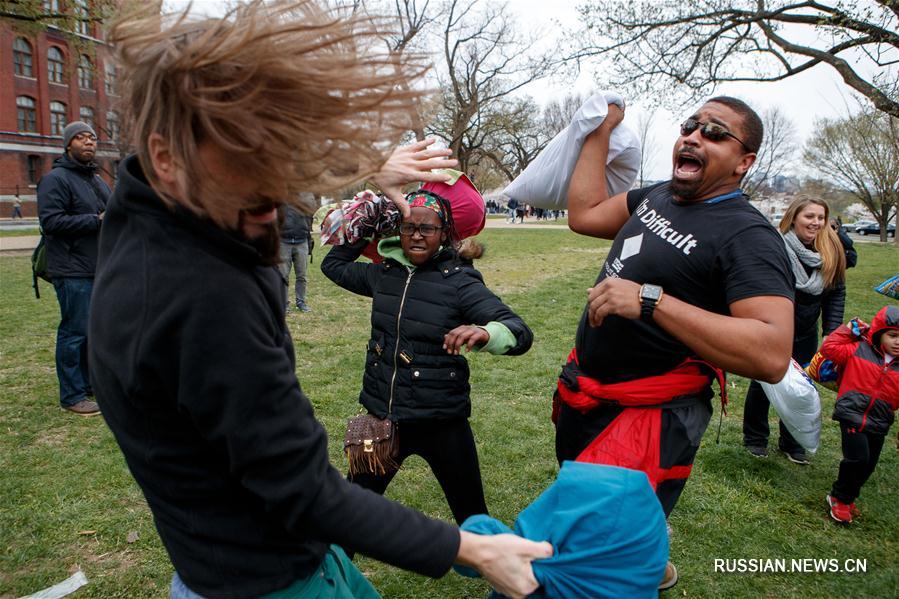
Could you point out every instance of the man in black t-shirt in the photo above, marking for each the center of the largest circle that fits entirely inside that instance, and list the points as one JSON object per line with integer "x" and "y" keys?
{"x": 696, "y": 283}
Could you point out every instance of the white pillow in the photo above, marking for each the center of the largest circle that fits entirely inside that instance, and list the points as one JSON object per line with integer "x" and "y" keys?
{"x": 544, "y": 183}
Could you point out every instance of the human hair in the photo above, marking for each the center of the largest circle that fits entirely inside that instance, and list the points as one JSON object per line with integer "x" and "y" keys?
{"x": 291, "y": 90}
{"x": 753, "y": 129}
{"x": 827, "y": 242}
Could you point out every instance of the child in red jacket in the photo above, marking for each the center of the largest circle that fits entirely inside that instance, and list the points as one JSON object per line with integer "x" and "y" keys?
{"x": 868, "y": 361}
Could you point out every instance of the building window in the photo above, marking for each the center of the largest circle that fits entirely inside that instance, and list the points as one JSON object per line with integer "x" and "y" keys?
{"x": 55, "y": 65}
{"x": 21, "y": 57}
{"x": 27, "y": 114}
{"x": 51, "y": 7}
{"x": 87, "y": 115}
{"x": 85, "y": 73}
{"x": 110, "y": 77}
{"x": 34, "y": 168}
{"x": 57, "y": 118}
{"x": 83, "y": 24}
{"x": 112, "y": 125}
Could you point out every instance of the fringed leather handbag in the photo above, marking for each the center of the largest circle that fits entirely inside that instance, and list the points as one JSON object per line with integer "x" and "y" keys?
{"x": 371, "y": 445}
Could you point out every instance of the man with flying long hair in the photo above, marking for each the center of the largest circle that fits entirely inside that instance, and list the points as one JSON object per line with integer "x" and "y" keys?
{"x": 192, "y": 363}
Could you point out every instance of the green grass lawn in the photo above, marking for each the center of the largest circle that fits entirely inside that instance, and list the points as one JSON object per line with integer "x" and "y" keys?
{"x": 22, "y": 232}
{"x": 69, "y": 502}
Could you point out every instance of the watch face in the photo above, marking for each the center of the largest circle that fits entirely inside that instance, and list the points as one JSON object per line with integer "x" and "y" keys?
{"x": 651, "y": 292}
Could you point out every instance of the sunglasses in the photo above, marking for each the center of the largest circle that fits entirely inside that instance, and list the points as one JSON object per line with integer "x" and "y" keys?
{"x": 710, "y": 131}
{"x": 409, "y": 229}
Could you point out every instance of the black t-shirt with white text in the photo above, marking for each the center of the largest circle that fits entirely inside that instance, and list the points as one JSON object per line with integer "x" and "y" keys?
{"x": 708, "y": 254}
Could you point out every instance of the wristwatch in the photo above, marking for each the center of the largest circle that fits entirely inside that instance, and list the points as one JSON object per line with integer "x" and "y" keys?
{"x": 650, "y": 296}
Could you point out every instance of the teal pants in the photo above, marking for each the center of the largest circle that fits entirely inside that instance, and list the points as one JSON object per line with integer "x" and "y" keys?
{"x": 335, "y": 578}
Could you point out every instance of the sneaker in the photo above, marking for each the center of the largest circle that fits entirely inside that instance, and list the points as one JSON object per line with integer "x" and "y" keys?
{"x": 670, "y": 578}
{"x": 797, "y": 457}
{"x": 303, "y": 307}
{"x": 839, "y": 511}
{"x": 757, "y": 451}
{"x": 84, "y": 408}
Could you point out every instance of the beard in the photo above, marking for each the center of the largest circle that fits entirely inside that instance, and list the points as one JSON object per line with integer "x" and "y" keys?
{"x": 268, "y": 244}
{"x": 684, "y": 191}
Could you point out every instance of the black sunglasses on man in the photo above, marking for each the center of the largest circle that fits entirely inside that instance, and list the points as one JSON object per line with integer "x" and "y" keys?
{"x": 710, "y": 131}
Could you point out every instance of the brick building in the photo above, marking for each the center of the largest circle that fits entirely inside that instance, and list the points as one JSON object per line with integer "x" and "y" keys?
{"x": 50, "y": 78}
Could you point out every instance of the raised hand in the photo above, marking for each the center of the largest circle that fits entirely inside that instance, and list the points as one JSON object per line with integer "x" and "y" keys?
{"x": 409, "y": 164}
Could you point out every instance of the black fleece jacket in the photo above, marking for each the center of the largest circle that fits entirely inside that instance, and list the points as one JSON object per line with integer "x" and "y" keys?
{"x": 69, "y": 200}
{"x": 828, "y": 306}
{"x": 408, "y": 374}
{"x": 193, "y": 367}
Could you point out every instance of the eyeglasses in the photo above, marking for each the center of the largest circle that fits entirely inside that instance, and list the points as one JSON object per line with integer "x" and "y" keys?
{"x": 409, "y": 229}
{"x": 710, "y": 131}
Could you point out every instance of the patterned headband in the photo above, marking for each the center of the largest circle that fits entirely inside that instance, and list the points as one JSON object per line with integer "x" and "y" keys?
{"x": 426, "y": 199}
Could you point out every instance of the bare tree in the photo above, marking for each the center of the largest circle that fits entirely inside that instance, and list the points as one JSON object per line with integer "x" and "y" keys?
{"x": 408, "y": 22}
{"x": 861, "y": 155}
{"x": 518, "y": 137}
{"x": 558, "y": 113}
{"x": 706, "y": 42}
{"x": 779, "y": 147}
{"x": 485, "y": 62}
{"x": 649, "y": 148}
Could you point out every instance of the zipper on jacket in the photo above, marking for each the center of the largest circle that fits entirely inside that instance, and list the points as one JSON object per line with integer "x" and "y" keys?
{"x": 881, "y": 381}
{"x": 396, "y": 347}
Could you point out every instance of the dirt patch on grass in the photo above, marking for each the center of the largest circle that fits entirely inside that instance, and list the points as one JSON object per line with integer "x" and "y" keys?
{"x": 55, "y": 437}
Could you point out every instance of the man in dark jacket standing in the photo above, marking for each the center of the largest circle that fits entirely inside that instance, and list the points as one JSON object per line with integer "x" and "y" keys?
{"x": 71, "y": 200}
{"x": 295, "y": 237}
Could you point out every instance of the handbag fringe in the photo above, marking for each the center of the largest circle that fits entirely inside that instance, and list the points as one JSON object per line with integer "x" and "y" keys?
{"x": 378, "y": 461}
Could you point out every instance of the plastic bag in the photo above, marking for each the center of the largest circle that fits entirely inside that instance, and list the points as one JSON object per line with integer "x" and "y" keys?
{"x": 796, "y": 401}
{"x": 544, "y": 183}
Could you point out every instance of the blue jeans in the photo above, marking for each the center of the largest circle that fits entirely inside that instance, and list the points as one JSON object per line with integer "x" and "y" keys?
{"x": 296, "y": 255}
{"x": 74, "y": 296}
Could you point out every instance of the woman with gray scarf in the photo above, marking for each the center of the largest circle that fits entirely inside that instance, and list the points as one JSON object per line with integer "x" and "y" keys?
{"x": 819, "y": 267}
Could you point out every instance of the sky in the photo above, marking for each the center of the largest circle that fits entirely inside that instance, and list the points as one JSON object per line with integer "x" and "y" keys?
{"x": 804, "y": 98}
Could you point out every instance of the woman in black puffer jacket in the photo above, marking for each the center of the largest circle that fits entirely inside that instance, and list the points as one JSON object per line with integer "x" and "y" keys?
{"x": 819, "y": 267}
{"x": 428, "y": 304}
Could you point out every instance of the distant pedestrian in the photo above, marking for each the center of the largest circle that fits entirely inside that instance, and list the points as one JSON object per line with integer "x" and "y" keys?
{"x": 71, "y": 200}
{"x": 295, "y": 241}
{"x": 513, "y": 207}
{"x": 17, "y": 208}
{"x": 848, "y": 246}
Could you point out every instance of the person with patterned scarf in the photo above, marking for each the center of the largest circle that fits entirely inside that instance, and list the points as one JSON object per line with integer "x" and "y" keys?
{"x": 819, "y": 267}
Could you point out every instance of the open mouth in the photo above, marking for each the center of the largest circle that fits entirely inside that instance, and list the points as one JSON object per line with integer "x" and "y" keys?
{"x": 262, "y": 214}
{"x": 687, "y": 165}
